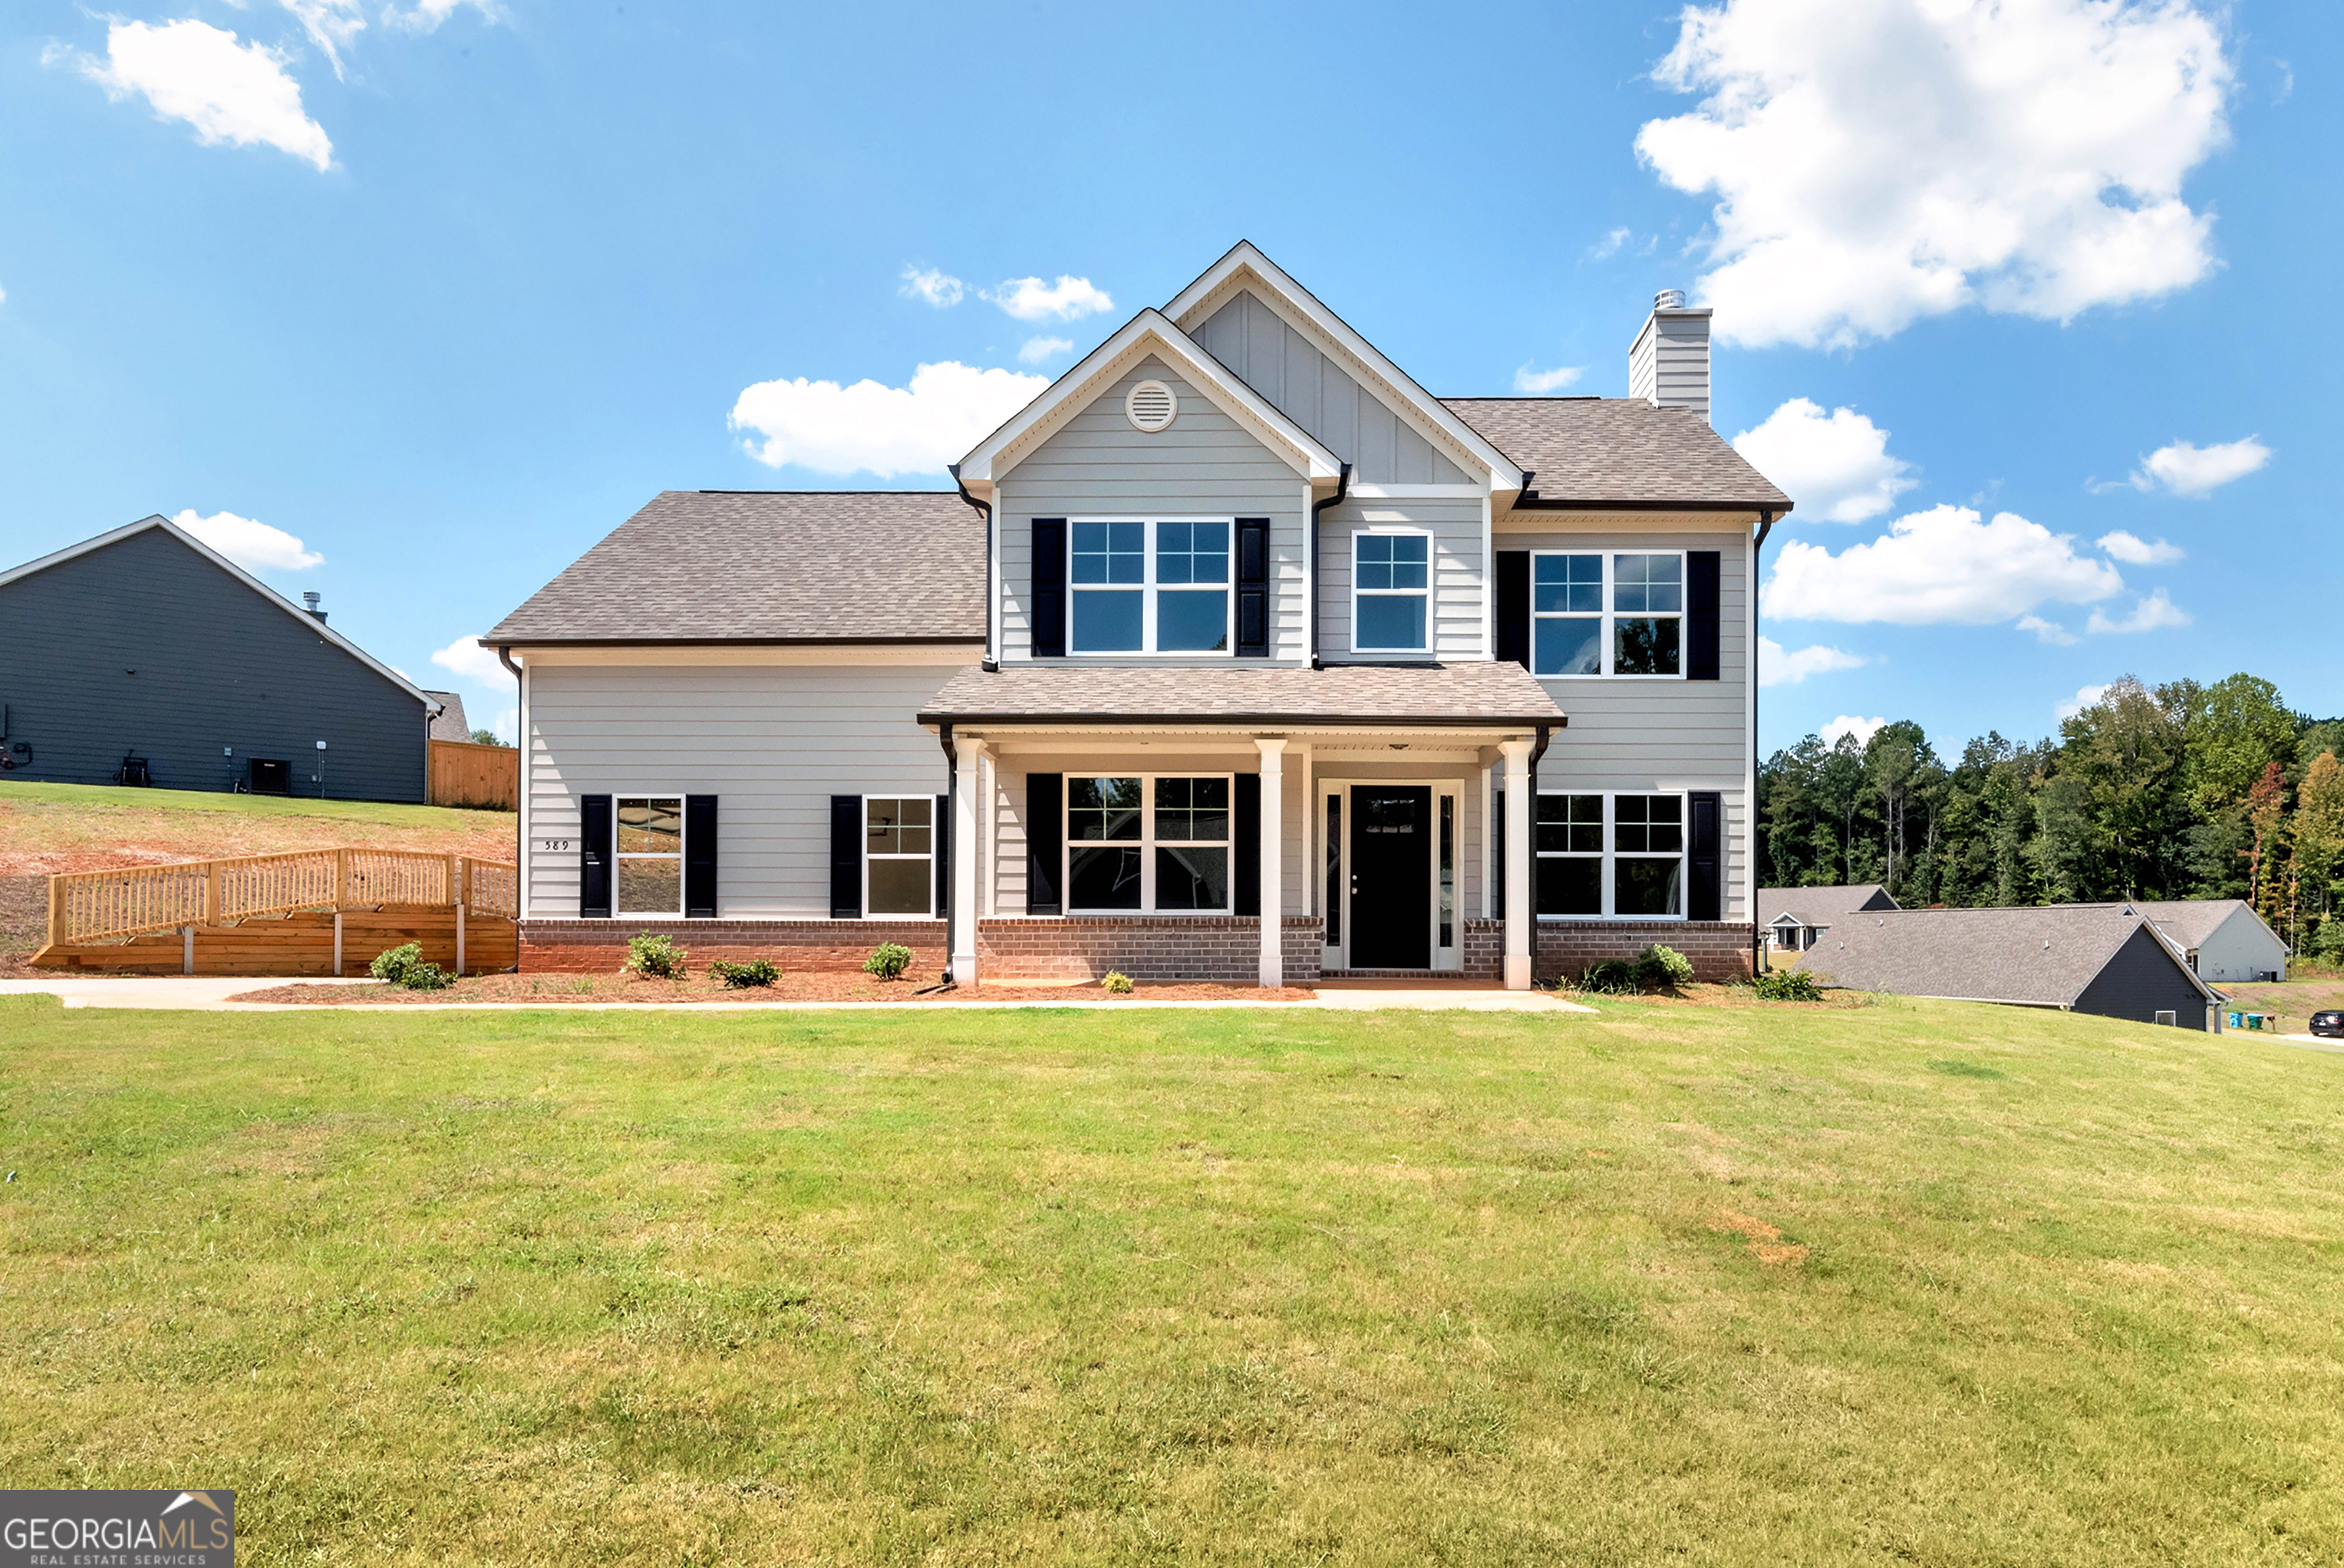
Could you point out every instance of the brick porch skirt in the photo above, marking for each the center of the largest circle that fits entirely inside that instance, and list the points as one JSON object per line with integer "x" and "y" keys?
{"x": 817, "y": 946}
{"x": 1221, "y": 947}
{"x": 1720, "y": 949}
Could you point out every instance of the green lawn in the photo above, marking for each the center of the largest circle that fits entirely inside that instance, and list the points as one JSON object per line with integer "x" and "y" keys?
{"x": 1184, "y": 1287}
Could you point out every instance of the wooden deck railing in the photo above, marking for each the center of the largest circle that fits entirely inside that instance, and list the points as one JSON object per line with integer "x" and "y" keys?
{"x": 93, "y": 905}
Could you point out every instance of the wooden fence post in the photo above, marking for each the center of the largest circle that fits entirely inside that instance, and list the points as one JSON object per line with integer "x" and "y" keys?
{"x": 56, "y": 911}
{"x": 213, "y": 901}
{"x": 341, "y": 884}
{"x": 186, "y": 949}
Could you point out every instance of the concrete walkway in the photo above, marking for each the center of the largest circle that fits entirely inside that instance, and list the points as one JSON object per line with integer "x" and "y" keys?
{"x": 211, "y": 994}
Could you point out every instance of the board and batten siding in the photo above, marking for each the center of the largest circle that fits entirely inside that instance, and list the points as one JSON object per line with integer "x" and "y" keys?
{"x": 1204, "y": 464}
{"x": 1656, "y": 735}
{"x": 1458, "y": 611}
{"x": 1266, "y": 353}
{"x": 771, "y": 743}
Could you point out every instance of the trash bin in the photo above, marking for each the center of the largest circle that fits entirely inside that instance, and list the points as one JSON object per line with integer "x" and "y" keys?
{"x": 2237, "y": 1021}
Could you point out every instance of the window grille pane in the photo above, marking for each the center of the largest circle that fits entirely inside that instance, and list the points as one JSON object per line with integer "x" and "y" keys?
{"x": 1567, "y": 585}
{"x": 1648, "y": 584}
{"x": 1192, "y": 552}
{"x": 651, "y": 824}
{"x": 1193, "y": 621}
{"x": 1110, "y": 553}
{"x": 652, "y": 884}
{"x": 1103, "y": 878}
{"x": 1192, "y": 810}
{"x": 1394, "y": 621}
{"x": 1571, "y": 824}
{"x": 1109, "y": 621}
{"x": 1566, "y": 646}
{"x": 1192, "y": 878}
{"x": 1642, "y": 886}
{"x": 901, "y": 886}
{"x": 1645, "y": 645}
{"x": 894, "y": 826}
{"x": 1649, "y": 823}
{"x": 1102, "y": 808}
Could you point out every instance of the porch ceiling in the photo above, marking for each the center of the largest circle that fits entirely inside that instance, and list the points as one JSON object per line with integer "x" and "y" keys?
{"x": 1281, "y": 698}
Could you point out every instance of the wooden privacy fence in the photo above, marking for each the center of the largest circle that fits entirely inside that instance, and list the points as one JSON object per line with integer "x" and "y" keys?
{"x": 465, "y": 774}
{"x": 296, "y": 913}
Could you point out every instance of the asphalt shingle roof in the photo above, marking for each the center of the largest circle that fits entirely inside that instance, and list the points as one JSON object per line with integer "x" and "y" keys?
{"x": 1469, "y": 693}
{"x": 449, "y": 723}
{"x": 1820, "y": 905}
{"x": 2189, "y": 921}
{"x": 2044, "y": 955}
{"x": 772, "y": 566}
{"x": 1594, "y": 449}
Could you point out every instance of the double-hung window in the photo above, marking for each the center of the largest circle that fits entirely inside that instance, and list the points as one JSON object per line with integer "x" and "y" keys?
{"x": 1149, "y": 585}
{"x": 1619, "y": 856}
{"x": 1391, "y": 593}
{"x": 898, "y": 855}
{"x": 1144, "y": 842}
{"x": 649, "y": 853}
{"x": 1615, "y": 613}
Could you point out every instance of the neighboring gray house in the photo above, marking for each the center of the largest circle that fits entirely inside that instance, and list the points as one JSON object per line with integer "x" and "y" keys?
{"x": 148, "y": 648}
{"x": 449, "y": 723}
{"x": 1792, "y": 919}
{"x": 2223, "y": 938}
{"x": 2104, "y": 958}
{"x": 1236, "y": 655}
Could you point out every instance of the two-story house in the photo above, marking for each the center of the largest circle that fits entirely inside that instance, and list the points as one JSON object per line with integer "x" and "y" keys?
{"x": 1234, "y": 655}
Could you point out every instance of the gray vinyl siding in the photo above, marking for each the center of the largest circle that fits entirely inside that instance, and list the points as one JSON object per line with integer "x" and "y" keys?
{"x": 2240, "y": 948}
{"x": 1457, "y": 613}
{"x": 771, "y": 743}
{"x": 1270, "y": 356}
{"x": 1205, "y": 464}
{"x": 2141, "y": 977}
{"x": 1669, "y": 364}
{"x": 1664, "y": 736}
{"x": 146, "y": 645}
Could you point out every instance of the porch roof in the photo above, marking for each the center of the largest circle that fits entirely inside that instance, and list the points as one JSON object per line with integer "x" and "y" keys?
{"x": 1480, "y": 696}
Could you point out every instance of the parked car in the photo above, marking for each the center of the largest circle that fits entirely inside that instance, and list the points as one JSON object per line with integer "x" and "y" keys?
{"x": 2329, "y": 1022}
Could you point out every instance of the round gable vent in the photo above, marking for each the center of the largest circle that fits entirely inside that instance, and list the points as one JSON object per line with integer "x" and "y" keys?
{"x": 1150, "y": 406}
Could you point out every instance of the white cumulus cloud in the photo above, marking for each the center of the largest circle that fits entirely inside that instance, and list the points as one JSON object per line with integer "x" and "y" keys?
{"x": 332, "y": 25}
{"x": 1849, "y": 724}
{"x": 1944, "y": 564}
{"x": 467, "y": 658}
{"x": 1876, "y": 162}
{"x": 2135, "y": 551}
{"x": 1538, "y": 383}
{"x": 2153, "y": 612}
{"x": 2049, "y": 632}
{"x": 870, "y": 427}
{"x": 1781, "y": 666}
{"x": 1033, "y": 351}
{"x": 1834, "y": 466}
{"x": 2085, "y": 697}
{"x": 255, "y": 546}
{"x": 428, "y": 14}
{"x": 939, "y": 288}
{"x": 1068, "y": 299}
{"x": 2197, "y": 471}
{"x": 229, "y": 92}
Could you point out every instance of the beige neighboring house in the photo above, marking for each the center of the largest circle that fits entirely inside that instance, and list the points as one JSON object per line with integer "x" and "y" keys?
{"x": 1793, "y": 919}
{"x": 1234, "y": 655}
{"x": 2223, "y": 938}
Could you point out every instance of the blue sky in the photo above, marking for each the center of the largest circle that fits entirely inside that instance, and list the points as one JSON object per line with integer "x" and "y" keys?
{"x": 446, "y": 293}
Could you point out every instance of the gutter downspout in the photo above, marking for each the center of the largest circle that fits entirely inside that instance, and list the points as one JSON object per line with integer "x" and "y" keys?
{"x": 1765, "y": 527}
{"x": 520, "y": 825}
{"x": 952, "y": 811}
{"x": 1342, "y": 490}
{"x": 992, "y": 593}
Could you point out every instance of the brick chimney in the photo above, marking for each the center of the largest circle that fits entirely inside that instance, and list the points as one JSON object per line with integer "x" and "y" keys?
{"x": 1669, "y": 366}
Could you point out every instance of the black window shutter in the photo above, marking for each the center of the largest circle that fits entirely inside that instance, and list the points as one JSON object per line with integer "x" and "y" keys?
{"x": 847, "y": 858}
{"x": 1700, "y": 615}
{"x": 1253, "y": 588}
{"x": 1044, "y": 833}
{"x": 1706, "y": 843}
{"x": 1049, "y": 568}
{"x": 1245, "y": 876}
{"x": 940, "y": 852}
{"x": 1497, "y": 855}
{"x": 699, "y": 857}
{"x": 594, "y": 858}
{"x": 1514, "y": 606}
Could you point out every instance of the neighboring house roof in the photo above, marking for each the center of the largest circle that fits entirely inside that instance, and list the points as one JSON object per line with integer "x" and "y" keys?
{"x": 314, "y": 622}
{"x": 2041, "y": 957}
{"x": 1477, "y": 694}
{"x": 774, "y": 567}
{"x": 448, "y": 724}
{"x": 1590, "y": 453}
{"x": 2189, "y": 921}
{"x": 1820, "y": 905}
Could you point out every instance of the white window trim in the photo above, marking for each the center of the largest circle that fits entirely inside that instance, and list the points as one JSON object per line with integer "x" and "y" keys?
{"x": 933, "y": 828}
{"x": 681, "y": 857}
{"x": 1612, "y": 856}
{"x": 1149, "y": 587}
{"x": 1147, "y": 844}
{"x": 1431, "y": 565}
{"x": 1606, "y": 638}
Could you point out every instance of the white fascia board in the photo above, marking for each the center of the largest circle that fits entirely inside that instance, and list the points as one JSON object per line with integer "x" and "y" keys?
{"x": 1149, "y": 333}
{"x": 240, "y": 574}
{"x": 1278, "y": 289}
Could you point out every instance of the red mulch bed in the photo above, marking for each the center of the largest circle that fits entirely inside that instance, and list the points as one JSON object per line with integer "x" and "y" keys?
{"x": 553, "y": 990}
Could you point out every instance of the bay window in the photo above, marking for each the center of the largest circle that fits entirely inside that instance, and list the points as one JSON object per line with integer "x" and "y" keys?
{"x": 1615, "y": 613}
{"x": 1391, "y": 593}
{"x": 1148, "y": 585}
{"x": 1139, "y": 843}
{"x": 1618, "y": 857}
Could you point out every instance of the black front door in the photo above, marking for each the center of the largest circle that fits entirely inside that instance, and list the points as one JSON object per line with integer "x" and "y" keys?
{"x": 1391, "y": 877}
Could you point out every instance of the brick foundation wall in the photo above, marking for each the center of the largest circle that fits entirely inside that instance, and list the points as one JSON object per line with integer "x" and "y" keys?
{"x": 819, "y": 946}
{"x": 1720, "y": 949}
{"x": 1220, "y": 947}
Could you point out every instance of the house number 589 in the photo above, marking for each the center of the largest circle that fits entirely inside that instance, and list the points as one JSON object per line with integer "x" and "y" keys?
{"x": 557, "y": 844}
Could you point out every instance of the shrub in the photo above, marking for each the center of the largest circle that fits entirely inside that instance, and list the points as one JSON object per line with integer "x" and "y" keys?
{"x": 656, "y": 956}
{"x": 1116, "y": 983}
{"x": 1613, "y": 976}
{"x": 737, "y": 977}
{"x": 1659, "y": 968}
{"x": 426, "y": 976}
{"x": 888, "y": 961}
{"x": 393, "y": 966}
{"x": 1787, "y": 986}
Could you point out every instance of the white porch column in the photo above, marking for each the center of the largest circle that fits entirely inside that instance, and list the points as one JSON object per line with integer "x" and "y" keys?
{"x": 967, "y": 858}
{"x": 1519, "y": 862}
{"x": 1273, "y": 867}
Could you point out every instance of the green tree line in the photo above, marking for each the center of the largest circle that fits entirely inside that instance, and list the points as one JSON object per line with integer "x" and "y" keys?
{"x": 2176, "y": 791}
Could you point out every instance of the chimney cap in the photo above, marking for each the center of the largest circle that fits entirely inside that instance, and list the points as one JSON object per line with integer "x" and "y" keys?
{"x": 1669, "y": 299}
{"x": 310, "y": 598}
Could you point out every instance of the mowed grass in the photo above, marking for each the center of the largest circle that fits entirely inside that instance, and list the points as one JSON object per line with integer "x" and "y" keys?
{"x": 38, "y": 819}
{"x": 1918, "y": 1282}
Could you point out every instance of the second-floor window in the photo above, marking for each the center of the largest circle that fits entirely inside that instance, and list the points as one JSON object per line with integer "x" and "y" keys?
{"x": 1391, "y": 593}
{"x": 1148, "y": 585}
{"x": 1616, "y": 613}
